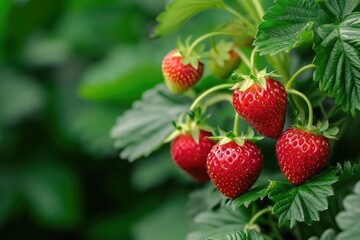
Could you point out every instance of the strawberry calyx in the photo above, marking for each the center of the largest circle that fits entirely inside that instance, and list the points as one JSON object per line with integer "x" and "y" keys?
{"x": 321, "y": 128}
{"x": 225, "y": 137}
{"x": 188, "y": 54}
{"x": 243, "y": 82}
{"x": 220, "y": 53}
{"x": 196, "y": 124}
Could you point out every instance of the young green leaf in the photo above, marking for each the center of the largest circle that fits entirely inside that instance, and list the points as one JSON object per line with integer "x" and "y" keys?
{"x": 349, "y": 220}
{"x": 329, "y": 234}
{"x": 142, "y": 129}
{"x": 247, "y": 234}
{"x": 338, "y": 61}
{"x": 180, "y": 11}
{"x": 304, "y": 202}
{"x": 286, "y": 25}
{"x": 251, "y": 196}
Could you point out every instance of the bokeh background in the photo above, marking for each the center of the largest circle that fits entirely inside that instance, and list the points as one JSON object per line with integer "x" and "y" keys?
{"x": 68, "y": 69}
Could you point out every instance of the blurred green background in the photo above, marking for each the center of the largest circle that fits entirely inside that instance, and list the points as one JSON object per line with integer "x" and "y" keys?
{"x": 68, "y": 69}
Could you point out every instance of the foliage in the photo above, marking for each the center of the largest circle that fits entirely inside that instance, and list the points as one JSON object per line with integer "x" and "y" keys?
{"x": 78, "y": 76}
{"x": 348, "y": 220}
{"x": 142, "y": 129}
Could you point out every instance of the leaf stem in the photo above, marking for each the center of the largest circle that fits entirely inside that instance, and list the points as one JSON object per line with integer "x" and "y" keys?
{"x": 242, "y": 18}
{"x": 218, "y": 98}
{"x": 300, "y": 71}
{"x": 259, "y": 8}
{"x": 274, "y": 228}
{"x": 310, "y": 120}
{"x": 203, "y": 95}
{"x": 258, "y": 214}
{"x": 243, "y": 57}
{"x": 208, "y": 35}
{"x": 252, "y": 61}
{"x": 236, "y": 123}
{"x": 248, "y": 7}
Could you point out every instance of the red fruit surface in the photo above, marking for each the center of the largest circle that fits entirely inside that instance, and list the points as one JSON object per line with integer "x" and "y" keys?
{"x": 263, "y": 109}
{"x": 191, "y": 156}
{"x": 301, "y": 154}
{"x": 179, "y": 77}
{"x": 233, "y": 168}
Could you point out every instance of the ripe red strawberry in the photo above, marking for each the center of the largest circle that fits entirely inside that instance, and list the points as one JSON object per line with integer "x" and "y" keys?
{"x": 301, "y": 154}
{"x": 234, "y": 168}
{"x": 263, "y": 109}
{"x": 179, "y": 77}
{"x": 191, "y": 156}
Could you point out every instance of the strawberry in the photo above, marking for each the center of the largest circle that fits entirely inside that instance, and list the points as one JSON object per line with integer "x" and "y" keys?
{"x": 263, "y": 107}
{"x": 224, "y": 70}
{"x": 234, "y": 168}
{"x": 301, "y": 154}
{"x": 190, "y": 155}
{"x": 180, "y": 77}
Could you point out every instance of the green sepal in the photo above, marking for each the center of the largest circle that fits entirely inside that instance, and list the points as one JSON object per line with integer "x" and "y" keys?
{"x": 195, "y": 133}
{"x": 321, "y": 128}
{"x": 223, "y": 137}
{"x": 188, "y": 57}
{"x": 244, "y": 82}
{"x": 220, "y": 53}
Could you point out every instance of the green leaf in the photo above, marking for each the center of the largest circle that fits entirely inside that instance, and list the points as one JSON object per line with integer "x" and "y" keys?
{"x": 349, "y": 220}
{"x": 338, "y": 61}
{"x": 341, "y": 8}
{"x": 302, "y": 203}
{"x": 142, "y": 129}
{"x": 14, "y": 88}
{"x": 329, "y": 234}
{"x": 250, "y": 196}
{"x": 204, "y": 199}
{"x": 180, "y": 11}
{"x": 167, "y": 222}
{"x": 247, "y": 234}
{"x": 51, "y": 191}
{"x": 219, "y": 222}
{"x": 286, "y": 25}
{"x": 123, "y": 76}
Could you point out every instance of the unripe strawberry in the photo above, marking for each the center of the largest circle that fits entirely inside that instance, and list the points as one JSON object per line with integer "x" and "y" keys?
{"x": 264, "y": 109}
{"x": 301, "y": 154}
{"x": 226, "y": 68}
{"x": 191, "y": 156}
{"x": 180, "y": 77}
{"x": 234, "y": 168}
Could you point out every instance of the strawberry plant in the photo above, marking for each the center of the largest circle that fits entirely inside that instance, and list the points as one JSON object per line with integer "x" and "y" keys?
{"x": 256, "y": 66}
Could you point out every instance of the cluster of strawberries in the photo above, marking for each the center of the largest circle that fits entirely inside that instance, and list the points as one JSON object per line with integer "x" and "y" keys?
{"x": 233, "y": 165}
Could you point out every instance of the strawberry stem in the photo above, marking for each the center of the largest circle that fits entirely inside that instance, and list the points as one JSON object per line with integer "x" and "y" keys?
{"x": 236, "y": 124}
{"x": 249, "y": 7}
{"x": 257, "y": 215}
{"x": 295, "y": 92}
{"x": 259, "y": 8}
{"x": 203, "y": 95}
{"x": 300, "y": 71}
{"x": 242, "y": 18}
{"x": 208, "y": 35}
{"x": 252, "y": 62}
{"x": 243, "y": 57}
{"x": 217, "y": 98}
